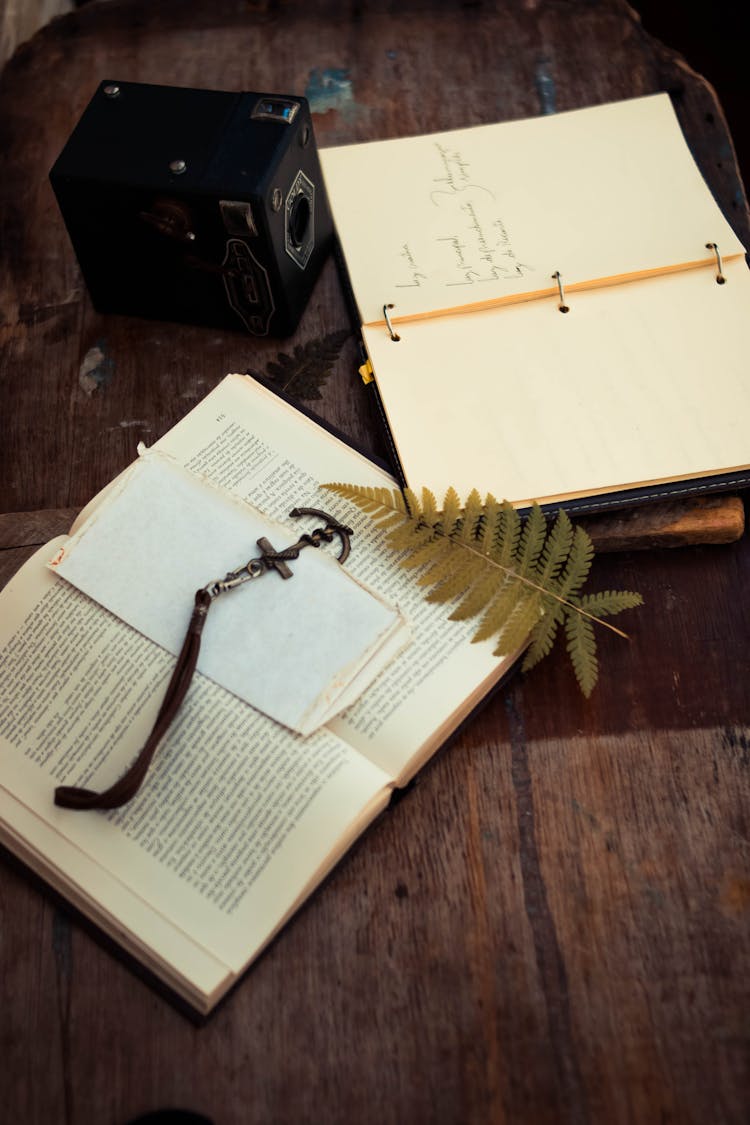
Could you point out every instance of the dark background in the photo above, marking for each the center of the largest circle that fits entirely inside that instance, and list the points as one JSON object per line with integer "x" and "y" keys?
{"x": 713, "y": 38}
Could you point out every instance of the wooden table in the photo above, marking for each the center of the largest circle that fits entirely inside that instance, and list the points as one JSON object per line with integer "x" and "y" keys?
{"x": 552, "y": 925}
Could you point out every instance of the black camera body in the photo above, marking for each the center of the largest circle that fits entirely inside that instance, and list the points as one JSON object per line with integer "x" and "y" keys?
{"x": 197, "y": 206}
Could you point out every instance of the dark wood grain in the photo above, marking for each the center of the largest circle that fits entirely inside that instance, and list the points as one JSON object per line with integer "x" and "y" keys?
{"x": 552, "y": 924}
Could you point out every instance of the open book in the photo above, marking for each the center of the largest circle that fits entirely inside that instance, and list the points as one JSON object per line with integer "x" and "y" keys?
{"x": 239, "y": 818}
{"x": 473, "y": 243}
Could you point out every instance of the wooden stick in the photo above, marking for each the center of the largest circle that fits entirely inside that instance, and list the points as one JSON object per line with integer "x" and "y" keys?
{"x": 708, "y": 519}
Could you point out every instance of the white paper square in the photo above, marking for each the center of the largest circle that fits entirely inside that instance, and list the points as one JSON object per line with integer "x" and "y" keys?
{"x": 292, "y": 648}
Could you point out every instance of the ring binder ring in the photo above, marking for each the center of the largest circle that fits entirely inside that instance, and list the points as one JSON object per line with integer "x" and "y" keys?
{"x": 556, "y": 276}
{"x": 394, "y": 335}
{"x": 720, "y": 279}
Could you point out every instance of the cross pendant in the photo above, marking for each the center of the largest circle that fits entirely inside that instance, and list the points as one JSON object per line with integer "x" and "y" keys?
{"x": 270, "y": 559}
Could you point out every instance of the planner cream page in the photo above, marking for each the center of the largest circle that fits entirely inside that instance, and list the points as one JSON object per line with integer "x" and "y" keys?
{"x": 644, "y": 382}
{"x": 488, "y": 214}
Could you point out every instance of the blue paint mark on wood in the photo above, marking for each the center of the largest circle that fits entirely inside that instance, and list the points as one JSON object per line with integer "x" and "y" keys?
{"x": 545, "y": 87}
{"x": 96, "y": 370}
{"x": 329, "y": 89}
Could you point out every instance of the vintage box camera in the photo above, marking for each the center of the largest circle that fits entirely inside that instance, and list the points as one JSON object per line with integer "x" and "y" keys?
{"x": 196, "y": 205}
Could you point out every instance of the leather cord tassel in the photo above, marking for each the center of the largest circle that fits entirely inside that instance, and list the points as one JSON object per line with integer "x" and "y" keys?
{"x": 71, "y": 797}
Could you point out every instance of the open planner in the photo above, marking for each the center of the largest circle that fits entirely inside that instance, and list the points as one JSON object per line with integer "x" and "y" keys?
{"x": 553, "y": 309}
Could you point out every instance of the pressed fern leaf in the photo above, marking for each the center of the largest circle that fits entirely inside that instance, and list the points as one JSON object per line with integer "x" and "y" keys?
{"x": 465, "y": 569}
{"x": 471, "y": 518}
{"x": 543, "y": 636}
{"x": 442, "y": 565}
{"x": 522, "y": 578}
{"x": 532, "y": 539}
{"x": 581, "y": 643}
{"x": 556, "y": 547}
{"x": 609, "y": 602}
{"x": 515, "y": 631}
{"x": 303, "y": 373}
{"x": 431, "y": 552}
{"x": 507, "y": 593}
{"x": 475, "y": 599}
{"x": 507, "y": 535}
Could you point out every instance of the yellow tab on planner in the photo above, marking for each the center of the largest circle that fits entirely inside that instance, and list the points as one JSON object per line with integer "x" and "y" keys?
{"x": 366, "y": 373}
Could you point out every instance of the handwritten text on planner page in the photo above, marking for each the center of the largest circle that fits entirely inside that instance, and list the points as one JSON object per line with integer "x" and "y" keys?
{"x": 470, "y": 243}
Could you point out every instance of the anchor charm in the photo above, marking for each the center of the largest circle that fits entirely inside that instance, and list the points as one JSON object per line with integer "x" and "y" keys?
{"x": 270, "y": 559}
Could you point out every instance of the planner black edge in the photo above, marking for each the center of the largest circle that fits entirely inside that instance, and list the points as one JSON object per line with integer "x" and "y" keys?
{"x": 650, "y": 494}
{"x": 394, "y": 466}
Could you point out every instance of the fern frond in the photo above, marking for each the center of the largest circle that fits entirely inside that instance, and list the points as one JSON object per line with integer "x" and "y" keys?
{"x": 500, "y": 607}
{"x": 376, "y": 502}
{"x": 471, "y": 518}
{"x": 522, "y": 579}
{"x": 577, "y": 565}
{"x": 442, "y": 566}
{"x": 609, "y": 602}
{"x": 409, "y": 535}
{"x": 429, "y": 506}
{"x": 581, "y": 644}
{"x": 543, "y": 634}
{"x": 532, "y": 540}
{"x": 555, "y": 603}
{"x": 507, "y": 535}
{"x": 391, "y": 521}
{"x": 462, "y": 574}
{"x": 412, "y": 503}
{"x": 487, "y": 528}
{"x": 476, "y": 597}
{"x": 452, "y": 513}
{"x": 304, "y": 371}
{"x": 515, "y": 632}
{"x": 556, "y": 548}
{"x": 432, "y": 551}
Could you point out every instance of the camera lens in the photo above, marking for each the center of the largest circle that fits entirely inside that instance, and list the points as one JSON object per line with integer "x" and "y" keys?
{"x": 299, "y": 220}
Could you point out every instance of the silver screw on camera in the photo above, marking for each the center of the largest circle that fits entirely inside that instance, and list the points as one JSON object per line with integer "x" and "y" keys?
{"x": 177, "y": 167}
{"x": 277, "y": 199}
{"x": 111, "y": 91}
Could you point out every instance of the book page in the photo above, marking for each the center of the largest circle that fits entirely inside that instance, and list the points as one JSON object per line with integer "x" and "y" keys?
{"x": 163, "y": 533}
{"x": 237, "y": 821}
{"x": 487, "y": 215}
{"x": 642, "y": 385}
{"x": 254, "y": 444}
